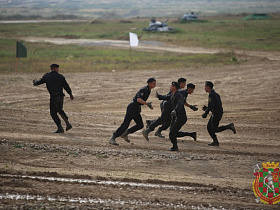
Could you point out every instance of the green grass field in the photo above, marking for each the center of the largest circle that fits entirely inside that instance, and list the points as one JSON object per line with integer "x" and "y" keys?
{"x": 227, "y": 33}
{"x": 233, "y": 33}
{"x": 75, "y": 58}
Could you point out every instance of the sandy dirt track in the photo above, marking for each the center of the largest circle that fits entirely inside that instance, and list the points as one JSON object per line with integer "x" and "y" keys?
{"x": 198, "y": 176}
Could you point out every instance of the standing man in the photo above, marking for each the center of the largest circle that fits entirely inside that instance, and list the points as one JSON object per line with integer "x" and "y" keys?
{"x": 165, "y": 118}
{"x": 133, "y": 113}
{"x": 215, "y": 106}
{"x": 55, "y": 83}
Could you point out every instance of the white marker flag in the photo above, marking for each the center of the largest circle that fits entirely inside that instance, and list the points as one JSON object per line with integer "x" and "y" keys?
{"x": 133, "y": 40}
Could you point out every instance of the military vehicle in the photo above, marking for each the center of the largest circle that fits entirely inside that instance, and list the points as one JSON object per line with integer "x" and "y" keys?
{"x": 157, "y": 26}
{"x": 191, "y": 16}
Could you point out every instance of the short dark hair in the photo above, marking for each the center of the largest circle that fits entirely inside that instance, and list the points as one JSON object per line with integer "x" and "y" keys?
{"x": 180, "y": 80}
{"x": 191, "y": 85}
{"x": 151, "y": 80}
{"x": 54, "y": 65}
{"x": 209, "y": 84}
{"x": 176, "y": 84}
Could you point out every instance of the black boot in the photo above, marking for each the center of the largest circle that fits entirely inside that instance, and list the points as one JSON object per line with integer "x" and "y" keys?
{"x": 231, "y": 127}
{"x": 59, "y": 130}
{"x": 214, "y": 144}
{"x": 173, "y": 149}
{"x": 68, "y": 125}
{"x": 194, "y": 136}
{"x": 112, "y": 140}
{"x": 125, "y": 136}
{"x": 158, "y": 133}
{"x": 146, "y": 133}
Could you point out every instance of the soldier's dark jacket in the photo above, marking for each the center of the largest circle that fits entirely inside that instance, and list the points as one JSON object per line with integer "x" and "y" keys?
{"x": 185, "y": 94}
{"x": 177, "y": 102}
{"x": 143, "y": 93}
{"x": 214, "y": 103}
{"x": 55, "y": 83}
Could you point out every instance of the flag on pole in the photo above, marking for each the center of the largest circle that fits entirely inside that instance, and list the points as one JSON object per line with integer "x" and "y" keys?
{"x": 133, "y": 40}
{"x": 21, "y": 50}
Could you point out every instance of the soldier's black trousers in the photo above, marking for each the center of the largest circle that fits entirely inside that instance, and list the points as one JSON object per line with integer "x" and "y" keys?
{"x": 56, "y": 106}
{"x": 132, "y": 113}
{"x": 165, "y": 118}
{"x": 213, "y": 126}
{"x": 176, "y": 125}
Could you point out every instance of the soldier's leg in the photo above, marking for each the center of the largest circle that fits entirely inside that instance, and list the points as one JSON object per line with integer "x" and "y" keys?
{"x": 54, "y": 108}
{"x": 127, "y": 119}
{"x": 191, "y": 134}
{"x": 156, "y": 123}
{"x": 226, "y": 127}
{"x": 139, "y": 124}
{"x": 176, "y": 126}
{"x": 149, "y": 122}
{"x": 165, "y": 115}
{"x": 151, "y": 127}
{"x": 63, "y": 114}
{"x": 212, "y": 126}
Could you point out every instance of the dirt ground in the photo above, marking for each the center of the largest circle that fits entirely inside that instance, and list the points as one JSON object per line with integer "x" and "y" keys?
{"x": 80, "y": 170}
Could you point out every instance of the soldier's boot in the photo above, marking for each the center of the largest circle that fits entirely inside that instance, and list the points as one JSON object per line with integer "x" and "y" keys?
{"x": 214, "y": 144}
{"x": 231, "y": 127}
{"x": 148, "y": 122}
{"x": 68, "y": 125}
{"x": 194, "y": 136}
{"x": 59, "y": 130}
{"x": 158, "y": 133}
{"x": 146, "y": 133}
{"x": 112, "y": 140}
{"x": 173, "y": 149}
{"x": 125, "y": 136}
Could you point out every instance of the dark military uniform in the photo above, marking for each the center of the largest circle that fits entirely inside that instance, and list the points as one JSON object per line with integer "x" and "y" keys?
{"x": 165, "y": 118}
{"x": 215, "y": 106}
{"x": 177, "y": 102}
{"x": 55, "y": 83}
{"x": 185, "y": 94}
{"x": 133, "y": 113}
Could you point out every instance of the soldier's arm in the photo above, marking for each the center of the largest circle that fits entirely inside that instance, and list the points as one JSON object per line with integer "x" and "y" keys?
{"x": 211, "y": 104}
{"x": 39, "y": 82}
{"x": 164, "y": 97}
{"x": 141, "y": 101}
{"x": 66, "y": 87}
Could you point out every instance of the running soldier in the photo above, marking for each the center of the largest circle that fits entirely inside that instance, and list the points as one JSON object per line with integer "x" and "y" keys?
{"x": 165, "y": 118}
{"x": 133, "y": 113}
{"x": 160, "y": 120}
{"x": 55, "y": 83}
{"x": 215, "y": 106}
{"x": 185, "y": 93}
{"x": 178, "y": 113}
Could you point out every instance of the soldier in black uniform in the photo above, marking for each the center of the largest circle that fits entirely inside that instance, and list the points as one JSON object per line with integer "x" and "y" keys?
{"x": 133, "y": 113}
{"x": 185, "y": 93}
{"x": 215, "y": 106}
{"x": 178, "y": 113}
{"x": 165, "y": 118}
{"x": 55, "y": 83}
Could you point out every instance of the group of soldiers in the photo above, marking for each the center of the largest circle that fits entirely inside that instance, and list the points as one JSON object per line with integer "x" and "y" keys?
{"x": 173, "y": 113}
